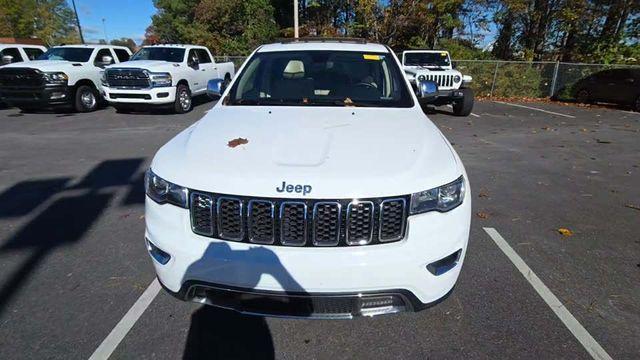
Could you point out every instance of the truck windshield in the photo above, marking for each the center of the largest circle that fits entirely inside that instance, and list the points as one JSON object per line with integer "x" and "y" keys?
{"x": 67, "y": 53}
{"x": 169, "y": 54}
{"x": 321, "y": 78}
{"x": 426, "y": 59}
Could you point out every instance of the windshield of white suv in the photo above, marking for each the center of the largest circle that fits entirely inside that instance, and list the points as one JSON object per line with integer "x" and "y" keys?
{"x": 323, "y": 78}
{"x": 170, "y": 54}
{"x": 426, "y": 59}
{"x": 67, "y": 53}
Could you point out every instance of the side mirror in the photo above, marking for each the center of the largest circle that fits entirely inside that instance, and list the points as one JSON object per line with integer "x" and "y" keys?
{"x": 214, "y": 88}
{"x": 427, "y": 89}
{"x": 105, "y": 60}
{"x": 454, "y": 66}
{"x": 193, "y": 62}
{"x": 7, "y": 59}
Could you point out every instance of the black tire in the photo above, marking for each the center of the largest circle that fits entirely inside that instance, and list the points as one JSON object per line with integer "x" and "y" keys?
{"x": 465, "y": 106}
{"x": 583, "y": 96}
{"x": 226, "y": 81}
{"x": 86, "y": 99}
{"x": 182, "y": 105}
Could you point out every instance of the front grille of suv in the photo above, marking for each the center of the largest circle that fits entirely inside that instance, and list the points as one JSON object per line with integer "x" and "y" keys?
{"x": 127, "y": 78}
{"x": 299, "y": 222}
{"x": 441, "y": 79}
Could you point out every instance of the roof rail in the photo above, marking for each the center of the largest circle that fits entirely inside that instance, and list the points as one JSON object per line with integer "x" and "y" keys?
{"x": 322, "y": 39}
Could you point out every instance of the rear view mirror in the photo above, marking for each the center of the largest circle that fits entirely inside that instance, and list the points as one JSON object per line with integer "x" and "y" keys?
{"x": 214, "y": 88}
{"x": 427, "y": 89}
{"x": 7, "y": 59}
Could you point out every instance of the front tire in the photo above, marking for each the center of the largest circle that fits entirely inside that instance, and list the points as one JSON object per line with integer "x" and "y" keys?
{"x": 86, "y": 99}
{"x": 183, "y": 101}
{"x": 465, "y": 106}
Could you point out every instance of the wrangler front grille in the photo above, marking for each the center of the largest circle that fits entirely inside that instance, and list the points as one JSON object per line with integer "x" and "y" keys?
{"x": 299, "y": 222}
{"x": 441, "y": 79}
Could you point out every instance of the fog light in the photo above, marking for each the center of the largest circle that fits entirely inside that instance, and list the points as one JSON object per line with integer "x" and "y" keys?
{"x": 155, "y": 252}
{"x": 377, "y": 305}
{"x": 445, "y": 264}
{"x": 163, "y": 95}
{"x": 57, "y": 95}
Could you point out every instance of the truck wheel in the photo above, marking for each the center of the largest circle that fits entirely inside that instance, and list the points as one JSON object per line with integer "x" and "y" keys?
{"x": 86, "y": 99}
{"x": 183, "y": 100}
{"x": 463, "y": 107}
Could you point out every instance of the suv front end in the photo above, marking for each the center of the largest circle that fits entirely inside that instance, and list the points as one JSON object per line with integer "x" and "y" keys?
{"x": 311, "y": 206}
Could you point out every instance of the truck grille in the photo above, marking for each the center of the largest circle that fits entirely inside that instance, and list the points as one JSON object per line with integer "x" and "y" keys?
{"x": 127, "y": 78}
{"x": 440, "y": 79}
{"x": 21, "y": 77}
{"x": 299, "y": 222}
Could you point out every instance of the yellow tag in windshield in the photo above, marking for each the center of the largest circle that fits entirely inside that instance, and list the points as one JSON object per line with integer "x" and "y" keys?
{"x": 371, "y": 57}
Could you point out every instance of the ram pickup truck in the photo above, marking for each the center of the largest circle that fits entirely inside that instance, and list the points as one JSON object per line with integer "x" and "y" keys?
{"x": 14, "y": 53}
{"x": 163, "y": 75}
{"x": 435, "y": 65}
{"x": 66, "y": 75}
{"x": 315, "y": 187}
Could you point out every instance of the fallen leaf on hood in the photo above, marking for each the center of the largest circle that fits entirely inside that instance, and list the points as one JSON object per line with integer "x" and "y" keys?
{"x": 236, "y": 142}
{"x": 565, "y": 232}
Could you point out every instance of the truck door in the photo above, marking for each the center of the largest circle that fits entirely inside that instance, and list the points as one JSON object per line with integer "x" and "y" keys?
{"x": 208, "y": 69}
{"x": 195, "y": 73}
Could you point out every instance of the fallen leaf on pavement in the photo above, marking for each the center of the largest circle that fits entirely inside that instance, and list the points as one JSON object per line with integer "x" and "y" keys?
{"x": 565, "y": 232}
{"x": 482, "y": 215}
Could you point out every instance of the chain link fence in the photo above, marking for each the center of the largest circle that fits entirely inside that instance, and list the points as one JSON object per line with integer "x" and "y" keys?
{"x": 498, "y": 78}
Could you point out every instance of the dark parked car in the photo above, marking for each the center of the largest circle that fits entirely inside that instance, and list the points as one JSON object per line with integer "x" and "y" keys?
{"x": 618, "y": 86}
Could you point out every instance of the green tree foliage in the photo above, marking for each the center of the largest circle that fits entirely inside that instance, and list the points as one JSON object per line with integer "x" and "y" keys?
{"x": 127, "y": 42}
{"x": 50, "y": 20}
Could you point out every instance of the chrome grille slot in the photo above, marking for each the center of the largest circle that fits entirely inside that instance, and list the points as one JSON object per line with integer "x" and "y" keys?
{"x": 261, "y": 221}
{"x": 359, "y": 229}
{"x": 293, "y": 223}
{"x": 230, "y": 221}
{"x": 202, "y": 214}
{"x": 392, "y": 219}
{"x": 327, "y": 217}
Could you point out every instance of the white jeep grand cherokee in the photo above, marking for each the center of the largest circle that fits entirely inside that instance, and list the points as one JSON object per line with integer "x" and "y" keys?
{"x": 316, "y": 187}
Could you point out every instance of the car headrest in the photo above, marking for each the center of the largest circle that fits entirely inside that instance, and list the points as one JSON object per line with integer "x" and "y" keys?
{"x": 293, "y": 70}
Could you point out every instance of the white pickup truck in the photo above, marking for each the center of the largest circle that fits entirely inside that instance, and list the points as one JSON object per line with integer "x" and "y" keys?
{"x": 66, "y": 75}
{"x": 163, "y": 75}
{"x": 13, "y": 53}
{"x": 435, "y": 66}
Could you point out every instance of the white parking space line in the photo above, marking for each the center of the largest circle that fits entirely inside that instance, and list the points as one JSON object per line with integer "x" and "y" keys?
{"x": 580, "y": 333}
{"x": 472, "y": 114}
{"x": 126, "y": 323}
{"x": 536, "y": 109}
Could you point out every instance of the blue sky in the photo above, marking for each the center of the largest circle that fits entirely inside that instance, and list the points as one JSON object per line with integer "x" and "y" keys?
{"x": 122, "y": 18}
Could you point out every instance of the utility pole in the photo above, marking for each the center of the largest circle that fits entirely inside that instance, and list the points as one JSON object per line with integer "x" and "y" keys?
{"x": 77, "y": 21}
{"x": 295, "y": 19}
{"x": 104, "y": 28}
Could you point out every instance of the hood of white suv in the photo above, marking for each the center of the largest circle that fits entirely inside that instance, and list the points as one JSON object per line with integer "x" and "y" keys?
{"x": 338, "y": 152}
{"x": 152, "y": 65}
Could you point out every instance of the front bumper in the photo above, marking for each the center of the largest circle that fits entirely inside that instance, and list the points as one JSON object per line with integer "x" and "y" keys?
{"x": 41, "y": 96}
{"x": 152, "y": 96}
{"x": 241, "y": 274}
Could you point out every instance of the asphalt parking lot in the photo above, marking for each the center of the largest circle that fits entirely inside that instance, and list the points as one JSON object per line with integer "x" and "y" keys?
{"x": 73, "y": 262}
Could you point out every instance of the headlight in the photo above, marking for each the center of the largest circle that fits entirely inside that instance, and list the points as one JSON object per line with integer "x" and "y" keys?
{"x": 457, "y": 78}
{"x": 56, "y": 77}
{"x": 162, "y": 191}
{"x": 160, "y": 79}
{"x": 443, "y": 198}
{"x": 421, "y": 78}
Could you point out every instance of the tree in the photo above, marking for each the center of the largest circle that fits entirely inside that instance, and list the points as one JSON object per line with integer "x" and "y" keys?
{"x": 128, "y": 42}
{"x": 50, "y": 20}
